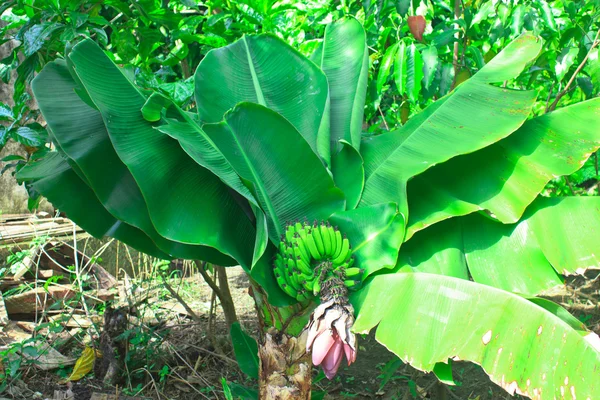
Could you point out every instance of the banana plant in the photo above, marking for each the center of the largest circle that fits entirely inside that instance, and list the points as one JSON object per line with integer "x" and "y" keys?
{"x": 441, "y": 221}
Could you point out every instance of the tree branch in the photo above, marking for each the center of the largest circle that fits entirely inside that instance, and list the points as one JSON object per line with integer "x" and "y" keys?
{"x": 176, "y": 295}
{"x": 207, "y": 278}
{"x": 579, "y": 68}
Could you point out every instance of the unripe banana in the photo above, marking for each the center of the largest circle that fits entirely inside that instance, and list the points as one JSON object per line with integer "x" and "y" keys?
{"x": 289, "y": 234}
{"x": 316, "y": 233}
{"x": 304, "y": 252}
{"x": 350, "y": 262}
{"x": 303, "y": 296}
{"x": 303, "y": 266}
{"x": 312, "y": 246}
{"x": 285, "y": 287}
{"x": 310, "y": 284}
{"x": 341, "y": 257}
{"x": 317, "y": 284}
{"x": 339, "y": 241}
{"x": 279, "y": 265}
{"x": 331, "y": 233}
{"x": 350, "y": 283}
{"x": 326, "y": 240}
{"x": 311, "y": 254}
{"x": 292, "y": 278}
{"x": 303, "y": 232}
{"x": 350, "y": 272}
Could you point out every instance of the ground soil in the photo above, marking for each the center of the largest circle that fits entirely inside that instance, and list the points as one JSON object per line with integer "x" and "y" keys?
{"x": 197, "y": 361}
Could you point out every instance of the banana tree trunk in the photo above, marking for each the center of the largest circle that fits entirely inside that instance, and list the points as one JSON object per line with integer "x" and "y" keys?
{"x": 285, "y": 367}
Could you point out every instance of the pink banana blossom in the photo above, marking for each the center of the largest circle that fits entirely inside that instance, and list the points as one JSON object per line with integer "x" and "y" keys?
{"x": 330, "y": 337}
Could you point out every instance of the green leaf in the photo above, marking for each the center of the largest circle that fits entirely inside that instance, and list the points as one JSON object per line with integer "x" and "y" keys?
{"x": 506, "y": 256}
{"x": 509, "y": 174}
{"x": 430, "y": 65}
{"x": 285, "y": 176}
{"x": 80, "y": 132}
{"x": 5, "y": 112}
{"x": 483, "y": 12}
{"x": 446, "y": 79}
{"x": 444, "y": 130}
{"x": 522, "y": 257}
{"x": 204, "y": 211}
{"x": 56, "y": 180}
{"x": 246, "y": 350}
{"x": 546, "y": 12}
{"x": 375, "y": 234}
{"x": 389, "y": 370}
{"x": 570, "y": 248}
{"x": 226, "y": 390}
{"x": 200, "y": 147}
{"x": 345, "y": 61}
{"x": 385, "y": 66}
{"x": 413, "y": 72}
{"x": 522, "y": 347}
{"x": 12, "y": 157}
{"x": 265, "y": 70}
{"x": 443, "y": 371}
{"x": 243, "y": 392}
{"x": 34, "y": 37}
{"x": 445, "y": 37}
{"x": 517, "y": 19}
{"x": 564, "y": 61}
{"x": 399, "y": 65}
{"x": 348, "y": 173}
{"x": 28, "y": 136}
{"x": 4, "y": 136}
{"x": 436, "y": 250}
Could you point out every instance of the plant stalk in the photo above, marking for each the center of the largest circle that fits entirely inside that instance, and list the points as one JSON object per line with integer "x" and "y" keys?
{"x": 285, "y": 367}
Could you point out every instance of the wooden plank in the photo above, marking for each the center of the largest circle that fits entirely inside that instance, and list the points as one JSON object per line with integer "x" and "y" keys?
{"x": 27, "y": 264}
{"x": 49, "y": 273}
{"x": 38, "y": 299}
{"x": 14, "y": 230}
{"x": 9, "y": 283}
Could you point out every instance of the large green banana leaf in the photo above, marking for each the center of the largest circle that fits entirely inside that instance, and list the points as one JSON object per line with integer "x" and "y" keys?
{"x": 284, "y": 174}
{"x": 504, "y": 256}
{"x": 375, "y": 233}
{"x": 552, "y": 238}
{"x": 348, "y": 172}
{"x": 475, "y": 115}
{"x": 507, "y": 176}
{"x": 186, "y": 202}
{"x": 80, "y": 131}
{"x": 265, "y": 70}
{"x": 524, "y": 347}
{"x": 199, "y": 146}
{"x": 437, "y": 250}
{"x": 344, "y": 58}
{"x": 56, "y": 180}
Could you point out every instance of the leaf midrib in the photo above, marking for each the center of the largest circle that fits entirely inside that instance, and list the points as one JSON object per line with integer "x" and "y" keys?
{"x": 259, "y": 94}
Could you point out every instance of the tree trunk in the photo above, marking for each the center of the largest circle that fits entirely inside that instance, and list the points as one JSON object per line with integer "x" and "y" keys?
{"x": 285, "y": 367}
{"x": 225, "y": 296}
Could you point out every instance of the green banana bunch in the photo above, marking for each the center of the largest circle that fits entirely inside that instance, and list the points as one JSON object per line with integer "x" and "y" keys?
{"x": 309, "y": 254}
